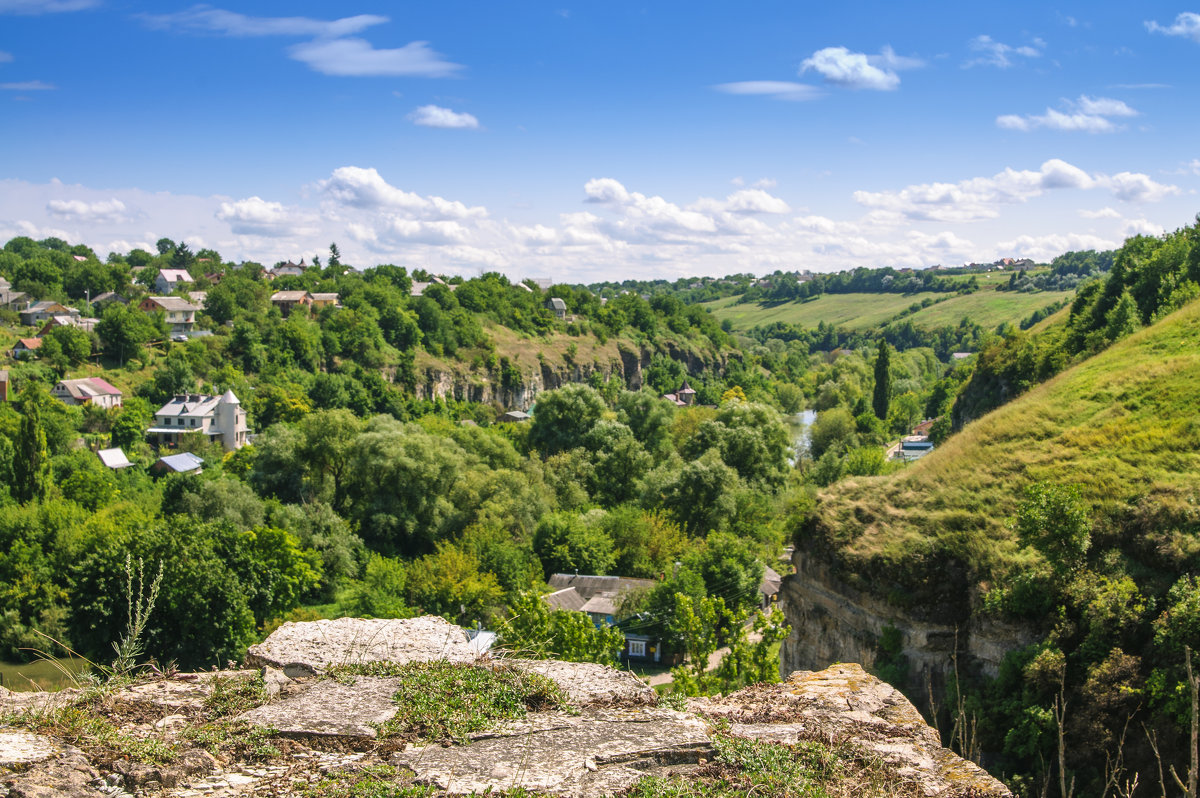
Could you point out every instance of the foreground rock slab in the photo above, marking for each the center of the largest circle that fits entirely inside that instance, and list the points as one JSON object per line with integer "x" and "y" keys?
{"x": 845, "y": 702}
{"x": 596, "y": 753}
{"x": 312, "y": 647}
{"x": 331, "y": 709}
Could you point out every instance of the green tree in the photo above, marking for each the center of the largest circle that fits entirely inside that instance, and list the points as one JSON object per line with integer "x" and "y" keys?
{"x": 31, "y": 465}
{"x": 533, "y": 629}
{"x": 123, "y": 331}
{"x": 380, "y": 593}
{"x": 562, "y": 418}
{"x": 1054, "y": 520}
{"x": 564, "y": 543}
{"x": 883, "y": 382}
{"x": 450, "y": 583}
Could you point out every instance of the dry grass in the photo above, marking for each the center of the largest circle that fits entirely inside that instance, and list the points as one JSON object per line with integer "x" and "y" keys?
{"x": 1121, "y": 425}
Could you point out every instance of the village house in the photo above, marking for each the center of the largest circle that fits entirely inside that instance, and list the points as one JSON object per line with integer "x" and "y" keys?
{"x": 12, "y": 300}
{"x": 198, "y": 298}
{"x": 221, "y": 418}
{"x": 683, "y": 397}
{"x": 287, "y": 300}
{"x": 88, "y": 391}
{"x": 288, "y": 269}
{"x": 513, "y": 417}
{"x": 25, "y": 347}
{"x": 81, "y": 322}
{"x": 182, "y": 463}
{"x": 600, "y": 597}
{"x": 101, "y": 301}
{"x": 180, "y": 315}
{"x": 113, "y": 458}
{"x": 557, "y": 307}
{"x": 325, "y": 300}
{"x": 38, "y": 312}
{"x": 169, "y": 280}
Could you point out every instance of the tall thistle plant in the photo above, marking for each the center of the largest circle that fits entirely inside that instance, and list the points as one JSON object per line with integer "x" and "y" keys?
{"x": 140, "y": 602}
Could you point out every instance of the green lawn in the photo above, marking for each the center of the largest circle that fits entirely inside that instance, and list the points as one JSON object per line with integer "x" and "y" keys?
{"x": 987, "y": 307}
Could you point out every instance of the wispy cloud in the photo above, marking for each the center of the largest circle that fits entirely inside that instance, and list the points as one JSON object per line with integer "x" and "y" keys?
{"x": 332, "y": 50}
{"x": 207, "y": 19}
{"x": 436, "y": 116}
{"x": 1186, "y": 24}
{"x": 1087, "y": 114}
{"x": 777, "y": 89}
{"x": 28, "y": 85}
{"x": 357, "y": 58}
{"x": 989, "y": 52}
{"x": 1140, "y": 86}
{"x": 105, "y": 211}
{"x": 5, "y": 57}
{"x": 849, "y": 70}
{"x": 44, "y": 6}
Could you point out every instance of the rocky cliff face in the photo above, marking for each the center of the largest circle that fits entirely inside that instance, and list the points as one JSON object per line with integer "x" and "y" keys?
{"x": 298, "y": 725}
{"x": 520, "y": 391}
{"x": 833, "y": 622}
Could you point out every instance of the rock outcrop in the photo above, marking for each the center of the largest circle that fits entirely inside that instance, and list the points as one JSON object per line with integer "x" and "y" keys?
{"x": 297, "y": 719}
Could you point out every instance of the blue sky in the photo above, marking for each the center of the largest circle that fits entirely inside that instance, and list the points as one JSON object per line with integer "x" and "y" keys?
{"x": 602, "y": 140}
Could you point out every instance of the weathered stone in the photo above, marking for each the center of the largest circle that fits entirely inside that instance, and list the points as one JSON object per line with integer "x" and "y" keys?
{"x": 844, "y": 702}
{"x": 330, "y": 708}
{"x": 274, "y": 680}
{"x": 65, "y": 773}
{"x": 319, "y": 645}
{"x": 596, "y": 753}
{"x": 587, "y": 683}
{"x": 18, "y": 748}
{"x": 21, "y": 701}
{"x": 183, "y": 692}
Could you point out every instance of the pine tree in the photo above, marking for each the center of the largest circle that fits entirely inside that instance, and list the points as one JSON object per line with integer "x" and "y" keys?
{"x": 31, "y": 464}
{"x": 883, "y": 382}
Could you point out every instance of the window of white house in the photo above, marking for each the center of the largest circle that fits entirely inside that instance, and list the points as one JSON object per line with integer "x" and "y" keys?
{"x": 637, "y": 648}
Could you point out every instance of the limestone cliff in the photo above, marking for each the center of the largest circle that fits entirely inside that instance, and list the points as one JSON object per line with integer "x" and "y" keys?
{"x": 315, "y": 722}
{"x": 834, "y": 622}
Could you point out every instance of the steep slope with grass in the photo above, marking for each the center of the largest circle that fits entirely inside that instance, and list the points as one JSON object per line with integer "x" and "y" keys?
{"x": 1122, "y": 426}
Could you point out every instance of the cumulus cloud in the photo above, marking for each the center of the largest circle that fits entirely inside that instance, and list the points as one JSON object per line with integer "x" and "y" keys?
{"x": 436, "y": 116}
{"x": 755, "y": 200}
{"x": 256, "y": 216}
{"x": 366, "y": 189}
{"x": 1103, "y": 213}
{"x": 841, "y": 67}
{"x": 28, "y": 85}
{"x": 1141, "y": 227}
{"x": 44, "y": 6}
{"x": 776, "y": 89}
{"x": 982, "y": 197}
{"x": 203, "y": 18}
{"x": 1047, "y": 247}
{"x": 100, "y": 211}
{"x": 357, "y": 58}
{"x": 989, "y": 52}
{"x": 1186, "y": 25}
{"x": 1087, "y": 114}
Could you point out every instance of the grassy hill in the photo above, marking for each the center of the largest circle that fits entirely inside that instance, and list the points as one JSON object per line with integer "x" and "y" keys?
{"x": 987, "y": 307}
{"x": 1122, "y": 425}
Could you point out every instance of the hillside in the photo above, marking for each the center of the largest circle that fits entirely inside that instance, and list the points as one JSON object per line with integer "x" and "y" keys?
{"x": 1120, "y": 425}
{"x": 988, "y": 307}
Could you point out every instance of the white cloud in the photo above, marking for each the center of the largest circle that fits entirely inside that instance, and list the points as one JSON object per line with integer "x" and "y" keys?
{"x": 230, "y": 23}
{"x": 1186, "y": 24}
{"x": 1087, "y": 114}
{"x": 989, "y": 52}
{"x": 256, "y": 216}
{"x": 1137, "y": 187}
{"x": 1141, "y": 227}
{"x": 755, "y": 200}
{"x": 436, "y": 116}
{"x": 44, "y": 6}
{"x": 850, "y": 70}
{"x": 5, "y": 57}
{"x": 1192, "y": 166}
{"x": 1047, "y": 247}
{"x": 357, "y": 58}
{"x": 28, "y": 85}
{"x": 1103, "y": 213}
{"x": 366, "y": 189}
{"x": 981, "y": 197}
{"x": 777, "y": 89}
{"x": 99, "y": 211}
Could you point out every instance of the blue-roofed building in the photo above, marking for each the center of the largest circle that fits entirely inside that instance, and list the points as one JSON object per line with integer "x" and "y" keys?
{"x": 182, "y": 463}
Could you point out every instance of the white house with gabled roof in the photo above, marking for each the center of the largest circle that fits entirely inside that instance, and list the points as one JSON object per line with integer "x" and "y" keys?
{"x": 221, "y": 418}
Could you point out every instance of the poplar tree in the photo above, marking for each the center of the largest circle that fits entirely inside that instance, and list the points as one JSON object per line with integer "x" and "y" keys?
{"x": 883, "y": 382}
{"x": 31, "y": 464}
